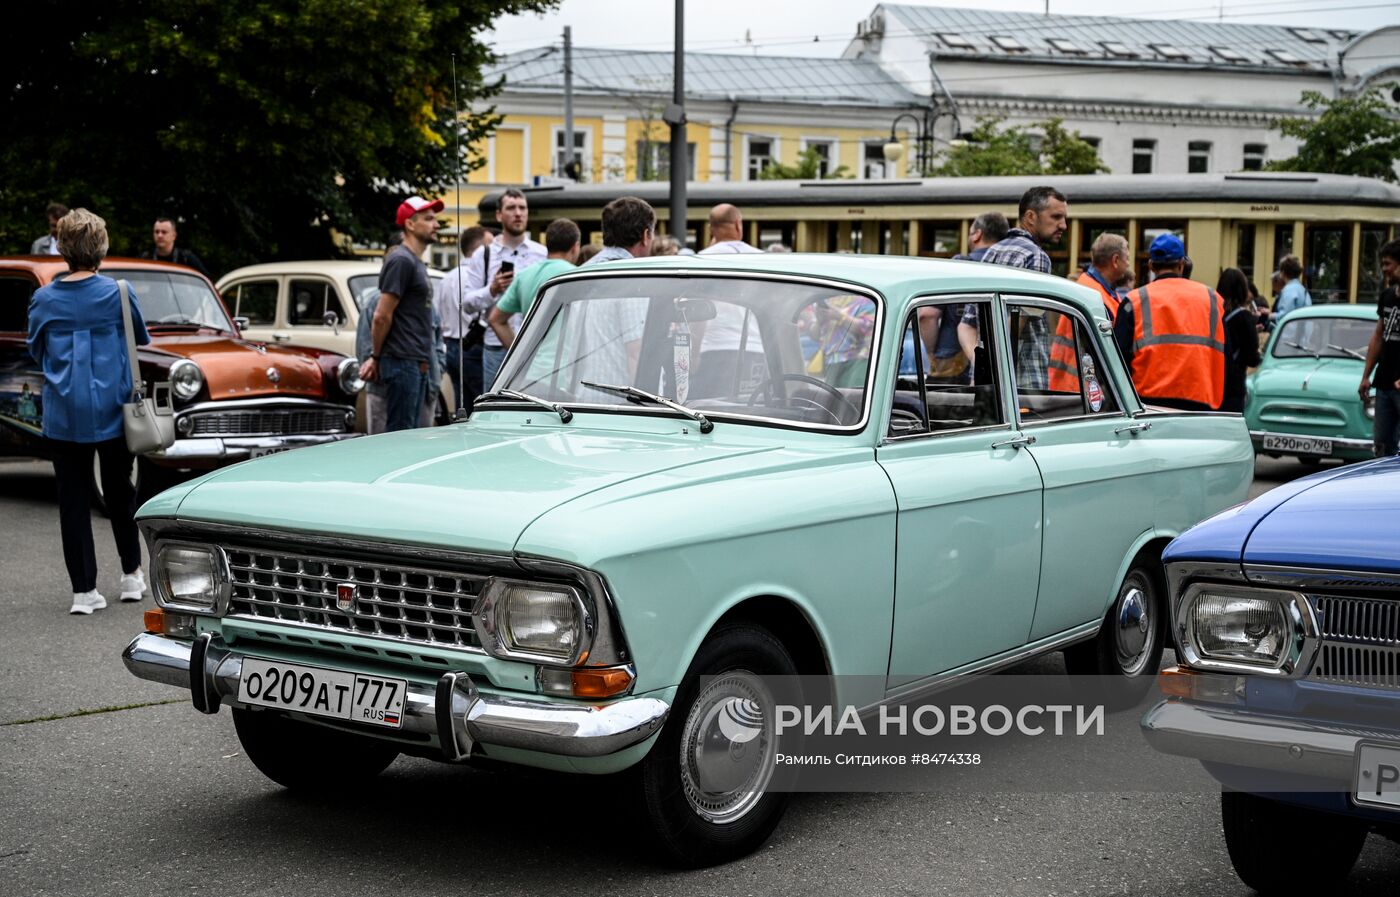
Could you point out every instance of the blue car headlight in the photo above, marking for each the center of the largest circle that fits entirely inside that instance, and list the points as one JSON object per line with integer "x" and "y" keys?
{"x": 1243, "y": 629}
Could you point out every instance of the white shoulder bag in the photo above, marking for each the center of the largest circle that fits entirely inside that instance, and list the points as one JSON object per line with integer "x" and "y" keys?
{"x": 149, "y": 421}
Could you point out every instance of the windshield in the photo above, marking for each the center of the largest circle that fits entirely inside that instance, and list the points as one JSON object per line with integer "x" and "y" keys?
{"x": 1327, "y": 337}
{"x": 169, "y": 297}
{"x": 759, "y": 349}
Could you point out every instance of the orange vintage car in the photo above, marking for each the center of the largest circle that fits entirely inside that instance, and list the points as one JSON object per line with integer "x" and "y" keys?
{"x": 234, "y": 398}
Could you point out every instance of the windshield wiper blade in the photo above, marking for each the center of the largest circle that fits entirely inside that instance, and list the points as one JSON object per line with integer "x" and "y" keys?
{"x": 1294, "y": 344}
{"x": 565, "y": 415}
{"x": 641, "y": 395}
{"x": 1354, "y": 353}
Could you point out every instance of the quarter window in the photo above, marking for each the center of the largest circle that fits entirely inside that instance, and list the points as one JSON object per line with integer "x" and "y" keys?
{"x": 1059, "y": 371}
{"x": 947, "y": 371}
{"x": 255, "y": 300}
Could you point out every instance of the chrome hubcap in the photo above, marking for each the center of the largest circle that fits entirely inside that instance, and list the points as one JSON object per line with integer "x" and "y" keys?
{"x": 727, "y": 747}
{"x": 1134, "y": 630}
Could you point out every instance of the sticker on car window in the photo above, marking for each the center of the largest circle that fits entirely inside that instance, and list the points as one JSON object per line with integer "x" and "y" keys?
{"x": 1091, "y": 383}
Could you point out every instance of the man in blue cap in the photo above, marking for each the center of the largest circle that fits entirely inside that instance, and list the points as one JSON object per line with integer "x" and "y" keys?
{"x": 1172, "y": 334}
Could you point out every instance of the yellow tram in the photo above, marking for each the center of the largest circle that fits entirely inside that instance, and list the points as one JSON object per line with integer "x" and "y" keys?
{"x": 1334, "y": 224}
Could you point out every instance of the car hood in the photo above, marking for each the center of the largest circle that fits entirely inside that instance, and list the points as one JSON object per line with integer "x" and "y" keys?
{"x": 1344, "y": 522}
{"x": 235, "y": 368}
{"x": 471, "y": 487}
{"x": 1326, "y": 378}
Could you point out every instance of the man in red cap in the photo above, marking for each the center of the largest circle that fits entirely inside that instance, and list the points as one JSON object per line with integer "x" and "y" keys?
{"x": 402, "y": 330}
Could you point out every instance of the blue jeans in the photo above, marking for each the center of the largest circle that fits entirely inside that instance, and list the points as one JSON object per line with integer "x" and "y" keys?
{"x": 470, "y": 368}
{"x": 1387, "y": 422}
{"x": 406, "y": 389}
{"x": 491, "y": 358}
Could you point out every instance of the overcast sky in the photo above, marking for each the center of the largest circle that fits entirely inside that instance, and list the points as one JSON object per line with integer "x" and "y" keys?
{"x": 824, "y": 27}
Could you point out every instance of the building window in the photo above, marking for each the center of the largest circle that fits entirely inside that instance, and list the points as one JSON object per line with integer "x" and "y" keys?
{"x": 873, "y": 164}
{"x": 582, "y": 153}
{"x": 654, "y": 160}
{"x": 1198, "y": 156}
{"x": 759, "y": 156}
{"x": 826, "y": 155}
{"x": 1254, "y": 156}
{"x": 1144, "y": 152}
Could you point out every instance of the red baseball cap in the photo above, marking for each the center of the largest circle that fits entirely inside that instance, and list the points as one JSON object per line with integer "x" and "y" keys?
{"x": 412, "y": 206}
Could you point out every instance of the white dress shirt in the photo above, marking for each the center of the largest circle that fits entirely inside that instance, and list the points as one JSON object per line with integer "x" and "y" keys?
{"x": 476, "y": 298}
{"x": 722, "y": 334}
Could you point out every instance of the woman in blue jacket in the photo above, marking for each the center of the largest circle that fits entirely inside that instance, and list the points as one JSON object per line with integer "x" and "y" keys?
{"x": 76, "y": 336}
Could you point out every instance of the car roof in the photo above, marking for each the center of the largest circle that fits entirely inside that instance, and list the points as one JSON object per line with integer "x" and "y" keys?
{"x": 47, "y": 267}
{"x": 310, "y": 266}
{"x": 898, "y": 278}
{"x": 1334, "y": 310}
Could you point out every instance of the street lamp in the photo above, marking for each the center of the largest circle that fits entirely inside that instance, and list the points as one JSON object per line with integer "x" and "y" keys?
{"x": 924, "y": 137}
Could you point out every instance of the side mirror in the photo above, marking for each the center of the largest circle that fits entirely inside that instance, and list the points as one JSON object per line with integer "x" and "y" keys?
{"x": 242, "y": 323}
{"x": 333, "y": 321}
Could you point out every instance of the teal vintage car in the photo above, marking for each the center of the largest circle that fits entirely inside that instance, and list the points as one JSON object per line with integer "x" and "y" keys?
{"x": 1302, "y": 398}
{"x": 695, "y": 477}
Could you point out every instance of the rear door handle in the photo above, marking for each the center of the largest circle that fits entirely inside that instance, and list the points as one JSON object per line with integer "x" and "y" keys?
{"x": 1132, "y": 428}
{"x": 1015, "y": 442}
{"x": 282, "y": 337}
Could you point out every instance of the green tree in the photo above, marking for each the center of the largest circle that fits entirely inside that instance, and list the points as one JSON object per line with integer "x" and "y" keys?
{"x": 260, "y": 127}
{"x": 1357, "y": 135}
{"x": 993, "y": 150}
{"x": 807, "y": 168}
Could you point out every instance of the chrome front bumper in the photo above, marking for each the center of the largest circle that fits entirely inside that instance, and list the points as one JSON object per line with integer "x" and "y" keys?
{"x": 227, "y": 449}
{"x": 453, "y": 711}
{"x": 1338, "y": 443}
{"x": 1228, "y": 736}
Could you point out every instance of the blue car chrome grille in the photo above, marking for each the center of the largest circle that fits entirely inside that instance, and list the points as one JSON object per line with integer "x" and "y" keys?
{"x": 1360, "y": 641}
{"x": 368, "y": 598}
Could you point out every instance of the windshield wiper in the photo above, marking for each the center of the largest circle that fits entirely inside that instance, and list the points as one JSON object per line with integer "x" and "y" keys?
{"x": 1354, "y": 353}
{"x": 641, "y": 395}
{"x": 565, "y": 415}
{"x": 1294, "y": 344}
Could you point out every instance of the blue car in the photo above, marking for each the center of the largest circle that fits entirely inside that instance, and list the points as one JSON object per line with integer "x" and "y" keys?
{"x": 1286, "y": 618}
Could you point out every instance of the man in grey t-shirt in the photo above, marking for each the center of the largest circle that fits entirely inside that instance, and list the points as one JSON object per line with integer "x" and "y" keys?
{"x": 402, "y": 331}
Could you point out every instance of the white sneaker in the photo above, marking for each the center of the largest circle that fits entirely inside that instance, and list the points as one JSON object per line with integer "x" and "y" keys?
{"x": 87, "y": 602}
{"x": 133, "y": 585}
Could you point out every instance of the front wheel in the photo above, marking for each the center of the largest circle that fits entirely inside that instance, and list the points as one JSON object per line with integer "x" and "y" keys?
{"x": 704, "y": 787}
{"x": 1256, "y": 828}
{"x": 1122, "y": 662}
{"x": 306, "y": 757}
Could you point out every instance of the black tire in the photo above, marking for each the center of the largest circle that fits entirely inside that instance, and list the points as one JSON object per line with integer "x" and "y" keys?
{"x": 1120, "y": 665}
{"x": 306, "y": 757}
{"x": 669, "y": 782}
{"x": 1258, "y": 830}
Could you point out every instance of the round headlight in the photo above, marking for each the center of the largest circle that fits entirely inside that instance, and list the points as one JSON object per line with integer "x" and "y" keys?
{"x": 186, "y": 379}
{"x": 347, "y": 374}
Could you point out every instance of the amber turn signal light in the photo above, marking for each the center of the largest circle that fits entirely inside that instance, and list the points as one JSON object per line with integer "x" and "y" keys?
{"x": 1174, "y": 682}
{"x": 155, "y": 621}
{"x": 602, "y": 682}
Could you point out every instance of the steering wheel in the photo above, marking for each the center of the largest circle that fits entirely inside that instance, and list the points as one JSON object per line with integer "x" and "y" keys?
{"x": 766, "y": 387}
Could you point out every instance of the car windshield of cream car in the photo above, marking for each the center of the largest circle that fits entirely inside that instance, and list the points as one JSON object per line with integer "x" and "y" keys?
{"x": 780, "y": 352}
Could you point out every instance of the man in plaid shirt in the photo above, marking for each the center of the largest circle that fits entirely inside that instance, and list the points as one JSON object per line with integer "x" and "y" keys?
{"x": 1043, "y": 216}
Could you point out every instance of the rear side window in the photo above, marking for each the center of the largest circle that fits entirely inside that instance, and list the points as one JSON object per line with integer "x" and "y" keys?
{"x": 1059, "y": 371}
{"x": 15, "y": 291}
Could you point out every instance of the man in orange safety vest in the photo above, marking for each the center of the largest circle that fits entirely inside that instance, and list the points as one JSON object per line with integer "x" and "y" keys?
{"x": 1109, "y": 269}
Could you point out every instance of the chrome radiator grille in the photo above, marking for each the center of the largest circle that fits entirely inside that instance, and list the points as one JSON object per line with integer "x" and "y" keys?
{"x": 1360, "y": 641}
{"x": 412, "y": 604}
{"x": 269, "y": 422}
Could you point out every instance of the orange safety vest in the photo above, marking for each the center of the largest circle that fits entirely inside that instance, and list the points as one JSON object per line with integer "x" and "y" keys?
{"x": 1064, "y": 366}
{"x": 1178, "y": 342}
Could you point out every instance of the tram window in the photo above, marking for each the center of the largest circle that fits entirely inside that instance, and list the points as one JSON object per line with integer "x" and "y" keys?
{"x": 1144, "y": 153}
{"x": 1326, "y": 263}
{"x": 1089, "y": 231}
{"x": 1369, "y": 281}
{"x": 939, "y": 239}
{"x": 1283, "y": 241}
{"x": 1254, "y": 154}
{"x": 1150, "y": 231}
{"x": 1244, "y": 255}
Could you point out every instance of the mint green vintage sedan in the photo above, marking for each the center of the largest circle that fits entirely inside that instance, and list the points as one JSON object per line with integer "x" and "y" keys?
{"x": 1302, "y": 398}
{"x": 694, "y": 475}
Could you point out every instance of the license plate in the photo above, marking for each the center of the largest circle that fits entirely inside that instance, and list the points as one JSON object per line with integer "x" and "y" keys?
{"x": 1301, "y": 445}
{"x": 271, "y": 450}
{"x": 1378, "y": 775}
{"x": 372, "y": 700}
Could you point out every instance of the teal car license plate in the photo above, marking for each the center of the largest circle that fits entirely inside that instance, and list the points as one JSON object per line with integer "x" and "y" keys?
{"x": 1301, "y": 445}
{"x": 373, "y": 700}
{"x": 1378, "y": 775}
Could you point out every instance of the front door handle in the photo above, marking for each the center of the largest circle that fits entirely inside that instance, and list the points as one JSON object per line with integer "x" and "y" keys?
{"x": 1015, "y": 442}
{"x": 282, "y": 337}
{"x": 1132, "y": 428}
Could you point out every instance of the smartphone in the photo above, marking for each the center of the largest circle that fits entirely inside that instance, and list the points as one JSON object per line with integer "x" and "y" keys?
{"x": 506, "y": 268}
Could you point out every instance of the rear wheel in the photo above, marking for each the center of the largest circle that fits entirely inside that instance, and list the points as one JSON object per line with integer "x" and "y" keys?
{"x": 1121, "y": 664}
{"x": 705, "y": 786}
{"x": 306, "y": 757}
{"x": 1257, "y": 828}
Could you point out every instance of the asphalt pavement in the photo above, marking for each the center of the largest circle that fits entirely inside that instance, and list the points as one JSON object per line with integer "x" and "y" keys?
{"x": 111, "y": 785}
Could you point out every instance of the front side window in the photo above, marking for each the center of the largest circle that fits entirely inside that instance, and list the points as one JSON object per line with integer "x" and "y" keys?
{"x": 308, "y": 302}
{"x": 727, "y": 347}
{"x": 255, "y": 300}
{"x": 1059, "y": 370}
{"x": 947, "y": 379}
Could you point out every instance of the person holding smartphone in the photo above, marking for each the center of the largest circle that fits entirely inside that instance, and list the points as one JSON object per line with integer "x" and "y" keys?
{"x": 491, "y": 271}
